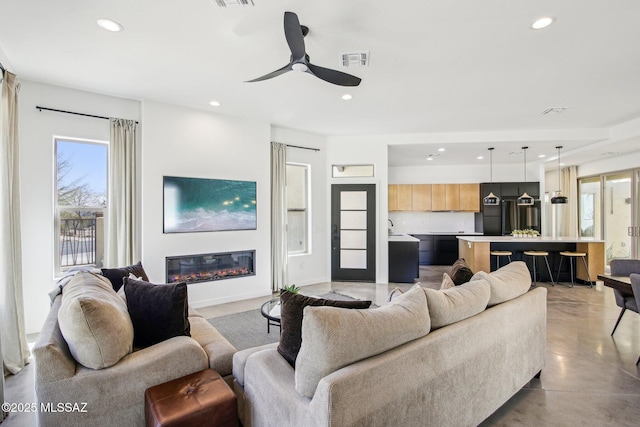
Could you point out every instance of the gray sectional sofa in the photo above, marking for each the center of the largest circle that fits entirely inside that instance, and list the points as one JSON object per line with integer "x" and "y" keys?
{"x": 114, "y": 395}
{"x": 454, "y": 367}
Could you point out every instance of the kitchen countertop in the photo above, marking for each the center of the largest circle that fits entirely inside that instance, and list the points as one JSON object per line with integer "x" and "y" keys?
{"x": 542, "y": 239}
{"x": 402, "y": 238}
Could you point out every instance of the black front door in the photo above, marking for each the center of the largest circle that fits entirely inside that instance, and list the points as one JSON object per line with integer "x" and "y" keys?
{"x": 353, "y": 232}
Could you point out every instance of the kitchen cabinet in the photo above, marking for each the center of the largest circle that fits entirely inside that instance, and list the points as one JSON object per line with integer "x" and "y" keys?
{"x": 445, "y": 197}
{"x": 437, "y": 249}
{"x": 403, "y": 260}
{"x": 399, "y": 197}
{"x": 392, "y": 197}
{"x": 434, "y": 197}
{"x": 438, "y": 197}
{"x": 421, "y": 197}
{"x": 470, "y": 197}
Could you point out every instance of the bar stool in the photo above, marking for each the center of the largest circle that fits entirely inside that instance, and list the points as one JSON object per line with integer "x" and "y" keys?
{"x": 535, "y": 255}
{"x": 498, "y": 254}
{"x": 571, "y": 256}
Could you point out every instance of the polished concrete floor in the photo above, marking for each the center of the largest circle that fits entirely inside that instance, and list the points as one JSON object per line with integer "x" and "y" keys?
{"x": 590, "y": 378}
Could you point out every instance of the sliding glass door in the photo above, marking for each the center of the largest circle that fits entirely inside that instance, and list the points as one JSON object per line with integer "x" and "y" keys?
{"x": 609, "y": 210}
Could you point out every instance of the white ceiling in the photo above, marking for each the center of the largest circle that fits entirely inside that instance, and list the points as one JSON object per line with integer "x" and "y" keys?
{"x": 436, "y": 66}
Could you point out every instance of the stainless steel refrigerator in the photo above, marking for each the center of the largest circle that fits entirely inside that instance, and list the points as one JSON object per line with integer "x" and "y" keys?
{"x": 516, "y": 217}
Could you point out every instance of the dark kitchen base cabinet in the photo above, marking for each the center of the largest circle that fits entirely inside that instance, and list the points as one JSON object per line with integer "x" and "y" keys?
{"x": 437, "y": 249}
{"x": 403, "y": 262}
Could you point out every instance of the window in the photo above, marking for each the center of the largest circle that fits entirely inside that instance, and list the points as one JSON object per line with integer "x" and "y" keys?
{"x": 298, "y": 208}
{"x": 80, "y": 203}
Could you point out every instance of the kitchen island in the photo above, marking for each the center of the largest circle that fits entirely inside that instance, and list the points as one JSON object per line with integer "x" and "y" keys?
{"x": 403, "y": 258}
{"x": 476, "y": 251}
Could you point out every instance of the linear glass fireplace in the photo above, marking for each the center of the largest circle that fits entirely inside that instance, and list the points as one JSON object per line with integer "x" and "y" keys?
{"x": 209, "y": 267}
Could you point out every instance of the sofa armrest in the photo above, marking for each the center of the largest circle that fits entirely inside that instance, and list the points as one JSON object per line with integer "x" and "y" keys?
{"x": 115, "y": 395}
{"x": 240, "y": 360}
{"x": 53, "y": 360}
{"x": 219, "y": 351}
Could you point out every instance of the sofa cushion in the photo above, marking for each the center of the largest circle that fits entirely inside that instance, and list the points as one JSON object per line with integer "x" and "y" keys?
{"x": 455, "y": 304}
{"x": 460, "y": 272}
{"x": 334, "y": 338}
{"x": 117, "y": 275}
{"x": 94, "y": 321}
{"x": 506, "y": 283}
{"x": 291, "y": 310}
{"x": 158, "y": 312}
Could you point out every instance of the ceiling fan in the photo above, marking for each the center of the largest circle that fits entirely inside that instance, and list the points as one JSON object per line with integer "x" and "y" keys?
{"x": 295, "y": 33}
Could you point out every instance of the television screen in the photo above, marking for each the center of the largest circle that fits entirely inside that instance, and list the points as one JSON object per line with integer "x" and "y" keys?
{"x": 197, "y": 204}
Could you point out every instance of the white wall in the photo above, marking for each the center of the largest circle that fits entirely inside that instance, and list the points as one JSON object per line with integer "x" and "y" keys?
{"x": 178, "y": 141}
{"x": 358, "y": 151}
{"x": 37, "y": 131}
{"x": 612, "y": 164}
{"x": 307, "y": 269}
{"x": 461, "y": 174}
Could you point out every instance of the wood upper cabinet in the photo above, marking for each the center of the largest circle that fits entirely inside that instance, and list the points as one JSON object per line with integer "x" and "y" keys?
{"x": 434, "y": 197}
{"x": 421, "y": 197}
{"x": 438, "y": 197}
{"x": 470, "y": 197}
{"x": 452, "y": 197}
{"x": 399, "y": 197}
{"x": 393, "y": 197}
{"x": 404, "y": 197}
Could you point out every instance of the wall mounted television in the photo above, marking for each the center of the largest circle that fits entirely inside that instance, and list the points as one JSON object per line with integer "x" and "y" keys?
{"x": 199, "y": 204}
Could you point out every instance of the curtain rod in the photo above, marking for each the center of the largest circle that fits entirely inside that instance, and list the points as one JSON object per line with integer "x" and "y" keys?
{"x": 39, "y": 108}
{"x": 2, "y": 67}
{"x": 302, "y": 148}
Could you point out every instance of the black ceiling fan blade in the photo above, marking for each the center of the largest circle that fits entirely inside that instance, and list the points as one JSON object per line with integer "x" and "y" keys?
{"x": 293, "y": 33}
{"x": 272, "y": 74}
{"x": 332, "y": 76}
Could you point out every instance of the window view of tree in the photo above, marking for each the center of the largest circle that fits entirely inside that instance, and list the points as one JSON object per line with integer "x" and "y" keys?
{"x": 81, "y": 200}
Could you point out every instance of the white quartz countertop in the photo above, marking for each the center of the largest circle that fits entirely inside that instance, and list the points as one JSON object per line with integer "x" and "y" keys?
{"x": 402, "y": 238}
{"x": 541, "y": 239}
{"x": 451, "y": 233}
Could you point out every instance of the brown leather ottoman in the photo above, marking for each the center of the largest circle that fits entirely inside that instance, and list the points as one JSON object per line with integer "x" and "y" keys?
{"x": 199, "y": 399}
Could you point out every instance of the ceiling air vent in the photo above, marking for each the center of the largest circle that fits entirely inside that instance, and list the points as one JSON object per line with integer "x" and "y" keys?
{"x": 233, "y": 3}
{"x": 553, "y": 110}
{"x": 354, "y": 59}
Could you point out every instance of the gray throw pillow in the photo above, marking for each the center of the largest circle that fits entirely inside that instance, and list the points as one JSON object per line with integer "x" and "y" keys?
{"x": 94, "y": 321}
{"x": 458, "y": 303}
{"x": 507, "y": 282}
{"x": 291, "y": 311}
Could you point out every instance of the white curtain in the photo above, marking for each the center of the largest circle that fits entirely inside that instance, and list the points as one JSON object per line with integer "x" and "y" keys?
{"x": 123, "y": 244}
{"x": 279, "y": 250}
{"x": 15, "y": 353}
{"x": 569, "y": 213}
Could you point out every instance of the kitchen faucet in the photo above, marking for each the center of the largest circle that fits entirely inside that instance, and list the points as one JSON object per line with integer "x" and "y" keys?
{"x": 390, "y": 222}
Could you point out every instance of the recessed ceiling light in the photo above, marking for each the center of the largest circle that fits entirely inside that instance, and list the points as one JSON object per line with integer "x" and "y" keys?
{"x": 346, "y": 96}
{"x": 542, "y": 156}
{"x": 429, "y": 158}
{"x": 543, "y": 22}
{"x": 441, "y": 149}
{"x": 110, "y": 25}
{"x": 215, "y": 103}
{"x": 561, "y": 164}
{"x": 480, "y": 157}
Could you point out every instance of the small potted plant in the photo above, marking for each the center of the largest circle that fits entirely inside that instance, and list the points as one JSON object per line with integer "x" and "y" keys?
{"x": 291, "y": 288}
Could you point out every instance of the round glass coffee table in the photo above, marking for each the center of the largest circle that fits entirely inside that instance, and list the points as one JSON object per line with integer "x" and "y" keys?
{"x": 271, "y": 311}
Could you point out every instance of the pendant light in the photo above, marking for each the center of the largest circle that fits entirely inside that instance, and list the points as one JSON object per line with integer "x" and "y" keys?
{"x": 491, "y": 199}
{"x": 525, "y": 199}
{"x": 559, "y": 199}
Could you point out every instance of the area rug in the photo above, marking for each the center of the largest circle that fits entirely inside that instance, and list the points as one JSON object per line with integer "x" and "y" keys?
{"x": 249, "y": 328}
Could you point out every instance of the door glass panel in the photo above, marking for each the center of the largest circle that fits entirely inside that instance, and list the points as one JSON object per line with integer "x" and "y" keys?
{"x": 353, "y": 239}
{"x": 353, "y": 259}
{"x": 589, "y": 218}
{"x": 353, "y": 220}
{"x": 353, "y": 200}
{"x": 617, "y": 215}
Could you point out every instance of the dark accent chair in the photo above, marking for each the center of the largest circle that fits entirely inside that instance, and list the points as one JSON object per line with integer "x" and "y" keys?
{"x": 635, "y": 286}
{"x": 625, "y": 267}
